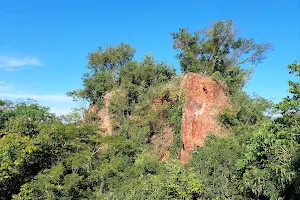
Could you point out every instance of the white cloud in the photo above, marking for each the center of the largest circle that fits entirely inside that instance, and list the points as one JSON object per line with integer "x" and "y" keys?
{"x": 13, "y": 63}
{"x": 38, "y": 97}
{"x": 5, "y": 86}
{"x": 60, "y": 104}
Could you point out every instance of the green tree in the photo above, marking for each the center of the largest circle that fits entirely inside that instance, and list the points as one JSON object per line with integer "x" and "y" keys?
{"x": 104, "y": 66}
{"x": 5, "y": 113}
{"x": 24, "y": 117}
{"x": 111, "y": 58}
{"x": 270, "y": 164}
{"x": 216, "y": 49}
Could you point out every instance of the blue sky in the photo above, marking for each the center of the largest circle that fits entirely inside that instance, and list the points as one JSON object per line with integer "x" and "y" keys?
{"x": 44, "y": 44}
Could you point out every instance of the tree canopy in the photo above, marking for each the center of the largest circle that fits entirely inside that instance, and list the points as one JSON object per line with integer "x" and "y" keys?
{"x": 216, "y": 49}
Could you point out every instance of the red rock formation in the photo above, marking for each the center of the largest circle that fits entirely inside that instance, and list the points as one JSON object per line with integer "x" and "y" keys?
{"x": 165, "y": 156}
{"x": 161, "y": 143}
{"x": 205, "y": 99}
{"x": 104, "y": 122}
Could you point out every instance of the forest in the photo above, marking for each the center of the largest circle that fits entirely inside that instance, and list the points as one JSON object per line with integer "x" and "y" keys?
{"x": 44, "y": 156}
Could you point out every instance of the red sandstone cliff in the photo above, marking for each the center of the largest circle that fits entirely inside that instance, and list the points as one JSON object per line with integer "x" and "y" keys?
{"x": 204, "y": 100}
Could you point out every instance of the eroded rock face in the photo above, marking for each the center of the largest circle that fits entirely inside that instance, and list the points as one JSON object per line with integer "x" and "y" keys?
{"x": 162, "y": 142}
{"x": 104, "y": 122}
{"x": 204, "y": 100}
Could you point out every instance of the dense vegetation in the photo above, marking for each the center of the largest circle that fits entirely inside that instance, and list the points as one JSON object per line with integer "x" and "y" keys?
{"x": 45, "y": 157}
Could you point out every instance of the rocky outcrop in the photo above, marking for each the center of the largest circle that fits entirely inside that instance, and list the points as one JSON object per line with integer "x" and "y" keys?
{"x": 205, "y": 98}
{"x": 103, "y": 116}
{"x": 162, "y": 142}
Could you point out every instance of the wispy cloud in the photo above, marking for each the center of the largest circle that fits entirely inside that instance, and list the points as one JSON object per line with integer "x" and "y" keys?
{"x": 38, "y": 97}
{"x": 5, "y": 86}
{"x": 14, "y": 63}
{"x": 58, "y": 103}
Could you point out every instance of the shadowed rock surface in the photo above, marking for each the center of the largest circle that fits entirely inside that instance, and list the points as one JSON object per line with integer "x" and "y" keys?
{"x": 104, "y": 120}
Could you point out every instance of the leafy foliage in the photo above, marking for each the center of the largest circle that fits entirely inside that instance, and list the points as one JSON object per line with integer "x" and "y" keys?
{"x": 216, "y": 49}
{"x": 175, "y": 117}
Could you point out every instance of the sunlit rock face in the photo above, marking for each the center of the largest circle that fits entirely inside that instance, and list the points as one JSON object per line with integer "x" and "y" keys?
{"x": 205, "y": 99}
